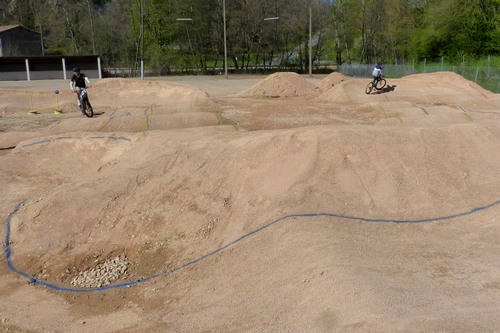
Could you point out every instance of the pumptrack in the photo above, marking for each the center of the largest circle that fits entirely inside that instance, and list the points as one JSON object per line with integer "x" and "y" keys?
{"x": 291, "y": 217}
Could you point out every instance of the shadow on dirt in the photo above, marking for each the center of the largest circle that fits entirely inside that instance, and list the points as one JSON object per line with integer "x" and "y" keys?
{"x": 386, "y": 89}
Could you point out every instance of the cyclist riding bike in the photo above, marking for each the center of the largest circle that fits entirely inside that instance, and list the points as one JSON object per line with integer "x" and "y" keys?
{"x": 377, "y": 73}
{"x": 79, "y": 81}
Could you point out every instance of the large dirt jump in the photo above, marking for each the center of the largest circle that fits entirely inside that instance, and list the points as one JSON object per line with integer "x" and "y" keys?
{"x": 278, "y": 204}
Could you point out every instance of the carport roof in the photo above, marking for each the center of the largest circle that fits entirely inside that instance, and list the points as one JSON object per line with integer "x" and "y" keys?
{"x": 8, "y": 27}
{"x": 4, "y": 28}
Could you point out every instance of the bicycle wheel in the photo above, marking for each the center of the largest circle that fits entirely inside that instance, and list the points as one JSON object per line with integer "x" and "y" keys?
{"x": 369, "y": 88}
{"x": 380, "y": 84}
{"x": 87, "y": 108}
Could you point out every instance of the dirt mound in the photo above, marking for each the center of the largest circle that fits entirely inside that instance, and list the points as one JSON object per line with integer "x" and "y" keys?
{"x": 281, "y": 85}
{"x": 334, "y": 94}
{"x": 144, "y": 185}
{"x": 131, "y": 92}
{"x": 331, "y": 80}
{"x": 30, "y": 99}
{"x": 165, "y": 97}
{"x": 450, "y": 79}
{"x": 421, "y": 89}
{"x": 137, "y": 123}
{"x": 123, "y": 105}
{"x": 333, "y": 216}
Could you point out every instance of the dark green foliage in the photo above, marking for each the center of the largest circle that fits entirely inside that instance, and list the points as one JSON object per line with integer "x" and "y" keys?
{"x": 456, "y": 27}
{"x": 365, "y": 31}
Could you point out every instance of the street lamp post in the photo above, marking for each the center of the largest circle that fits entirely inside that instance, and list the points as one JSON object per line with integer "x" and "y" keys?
{"x": 310, "y": 41}
{"x": 225, "y": 41}
{"x": 142, "y": 39}
{"x": 274, "y": 45}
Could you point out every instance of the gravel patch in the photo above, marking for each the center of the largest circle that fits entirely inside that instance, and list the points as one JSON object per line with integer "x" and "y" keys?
{"x": 102, "y": 275}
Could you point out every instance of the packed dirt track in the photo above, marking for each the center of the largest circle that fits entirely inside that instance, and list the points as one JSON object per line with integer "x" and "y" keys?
{"x": 279, "y": 203}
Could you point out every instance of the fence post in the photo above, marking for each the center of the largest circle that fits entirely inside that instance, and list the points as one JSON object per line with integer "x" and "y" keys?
{"x": 425, "y": 63}
{"x": 99, "y": 67}
{"x": 477, "y": 72}
{"x": 27, "y": 64}
{"x": 64, "y": 67}
{"x": 442, "y": 63}
{"x": 489, "y": 66}
{"x": 498, "y": 88}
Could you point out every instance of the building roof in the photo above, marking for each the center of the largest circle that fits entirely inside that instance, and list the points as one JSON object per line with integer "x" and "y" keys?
{"x": 8, "y": 27}
{"x": 4, "y": 28}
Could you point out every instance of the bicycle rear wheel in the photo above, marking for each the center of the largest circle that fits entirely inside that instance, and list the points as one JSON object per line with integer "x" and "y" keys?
{"x": 369, "y": 88}
{"x": 380, "y": 84}
{"x": 87, "y": 108}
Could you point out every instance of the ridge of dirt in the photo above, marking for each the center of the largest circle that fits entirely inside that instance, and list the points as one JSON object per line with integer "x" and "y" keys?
{"x": 285, "y": 84}
{"x": 322, "y": 210}
{"x": 331, "y": 80}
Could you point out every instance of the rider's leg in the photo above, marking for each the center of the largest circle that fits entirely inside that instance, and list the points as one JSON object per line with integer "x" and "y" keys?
{"x": 77, "y": 91}
{"x": 78, "y": 100}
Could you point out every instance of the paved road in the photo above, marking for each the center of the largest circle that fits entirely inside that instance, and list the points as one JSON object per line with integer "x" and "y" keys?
{"x": 211, "y": 84}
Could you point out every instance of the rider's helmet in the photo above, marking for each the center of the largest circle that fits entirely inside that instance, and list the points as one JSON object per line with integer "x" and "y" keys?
{"x": 76, "y": 69}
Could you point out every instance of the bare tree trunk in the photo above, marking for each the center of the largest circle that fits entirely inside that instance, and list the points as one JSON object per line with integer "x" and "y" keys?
{"x": 71, "y": 31}
{"x": 345, "y": 35}
{"x": 363, "y": 32}
{"x": 337, "y": 35}
{"x": 91, "y": 16}
{"x": 41, "y": 39}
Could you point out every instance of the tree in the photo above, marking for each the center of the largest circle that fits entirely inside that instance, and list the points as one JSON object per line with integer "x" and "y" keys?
{"x": 115, "y": 35}
{"x": 347, "y": 30}
{"x": 456, "y": 27}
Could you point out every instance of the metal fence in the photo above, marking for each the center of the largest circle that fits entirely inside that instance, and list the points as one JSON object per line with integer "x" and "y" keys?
{"x": 486, "y": 77}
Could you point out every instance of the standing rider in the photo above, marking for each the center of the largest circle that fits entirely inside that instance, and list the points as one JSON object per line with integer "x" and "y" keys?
{"x": 79, "y": 81}
{"x": 377, "y": 72}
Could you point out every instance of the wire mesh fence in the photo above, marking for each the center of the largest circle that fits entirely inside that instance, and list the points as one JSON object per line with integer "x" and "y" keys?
{"x": 486, "y": 77}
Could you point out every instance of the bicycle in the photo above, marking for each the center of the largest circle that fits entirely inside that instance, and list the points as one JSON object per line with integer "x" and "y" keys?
{"x": 377, "y": 84}
{"x": 85, "y": 106}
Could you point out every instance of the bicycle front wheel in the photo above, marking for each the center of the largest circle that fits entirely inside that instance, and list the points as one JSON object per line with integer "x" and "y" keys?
{"x": 369, "y": 88}
{"x": 87, "y": 108}
{"x": 381, "y": 84}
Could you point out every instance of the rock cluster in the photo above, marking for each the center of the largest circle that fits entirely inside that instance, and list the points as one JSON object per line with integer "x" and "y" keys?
{"x": 102, "y": 275}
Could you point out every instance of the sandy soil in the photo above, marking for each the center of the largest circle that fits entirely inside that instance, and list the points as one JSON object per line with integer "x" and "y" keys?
{"x": 251, "y": 204}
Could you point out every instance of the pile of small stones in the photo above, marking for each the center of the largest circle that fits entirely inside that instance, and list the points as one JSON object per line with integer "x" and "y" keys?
{"x": 102, "y": 275}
